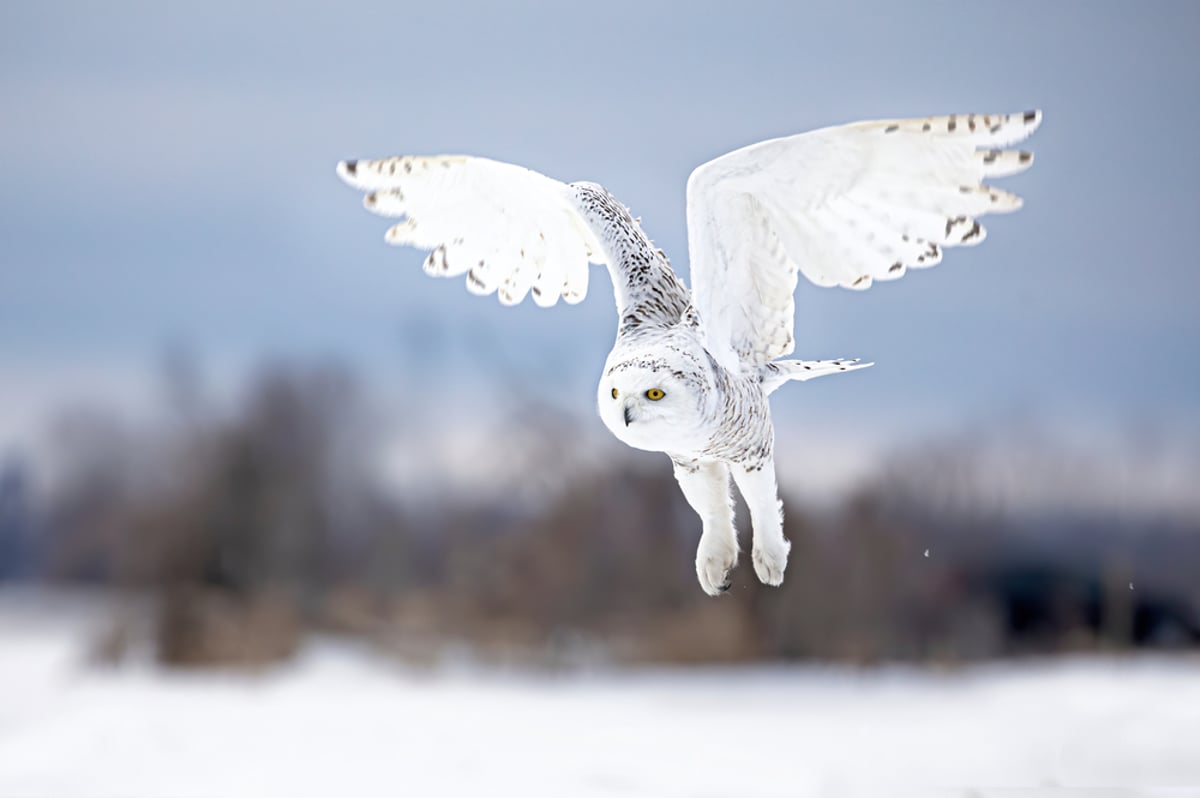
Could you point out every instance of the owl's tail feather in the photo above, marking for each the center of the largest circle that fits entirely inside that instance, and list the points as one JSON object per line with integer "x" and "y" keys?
{"x": 778, "y": 372}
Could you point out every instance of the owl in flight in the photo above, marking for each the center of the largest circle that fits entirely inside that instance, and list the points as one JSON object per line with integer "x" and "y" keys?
{"x": 691, "y": 371}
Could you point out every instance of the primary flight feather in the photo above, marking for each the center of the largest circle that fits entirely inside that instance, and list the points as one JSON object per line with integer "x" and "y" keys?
{"x": 690, "y": 372}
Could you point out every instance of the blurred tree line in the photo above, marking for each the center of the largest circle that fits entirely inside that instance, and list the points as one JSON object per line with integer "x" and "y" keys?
{"x": 252, "y": 527}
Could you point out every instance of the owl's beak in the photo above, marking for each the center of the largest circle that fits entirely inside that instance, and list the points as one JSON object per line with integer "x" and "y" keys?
{"x": 628, "y": 415}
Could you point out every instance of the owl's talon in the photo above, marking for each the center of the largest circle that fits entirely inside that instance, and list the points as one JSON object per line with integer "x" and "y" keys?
{"x": 770, "y": 561}
{"x": 715, "y": 558}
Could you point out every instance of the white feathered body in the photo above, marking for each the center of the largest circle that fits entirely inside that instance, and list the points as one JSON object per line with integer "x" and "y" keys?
{"x": 707, "y": 411}
{"x": 691, "y": 371}
{"x": 661, "y": 389}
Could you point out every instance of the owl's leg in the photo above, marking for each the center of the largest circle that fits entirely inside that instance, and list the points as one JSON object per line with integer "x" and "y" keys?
{"x": 705, "y": 485}
{"x": 771, "y": 548}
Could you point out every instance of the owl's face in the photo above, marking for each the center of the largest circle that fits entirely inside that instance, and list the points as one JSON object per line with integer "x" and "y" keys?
{"x": 651, "y": 405}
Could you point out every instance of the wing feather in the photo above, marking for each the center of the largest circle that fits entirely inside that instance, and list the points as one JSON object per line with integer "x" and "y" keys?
{"x": 844, "y": 206}
{"x": 511, "y": 231}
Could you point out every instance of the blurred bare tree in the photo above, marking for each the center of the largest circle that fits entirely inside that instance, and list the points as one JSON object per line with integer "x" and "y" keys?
{"x": 256, "y": 524}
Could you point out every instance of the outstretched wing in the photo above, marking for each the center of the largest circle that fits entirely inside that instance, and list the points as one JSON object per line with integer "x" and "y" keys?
{"x": 510, "y": 230}
{"x": 844, "y": 206}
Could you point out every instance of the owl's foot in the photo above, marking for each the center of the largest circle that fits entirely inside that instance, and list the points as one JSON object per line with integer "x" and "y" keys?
{"x": 770, "y": 560}
{"x": 715, "y": 558}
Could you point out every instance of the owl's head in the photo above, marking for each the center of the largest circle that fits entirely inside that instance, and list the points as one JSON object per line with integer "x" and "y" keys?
{"x": 656, "y": 404}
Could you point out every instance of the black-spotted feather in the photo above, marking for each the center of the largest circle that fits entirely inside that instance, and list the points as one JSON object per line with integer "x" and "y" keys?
{"x": 851, "y": 205}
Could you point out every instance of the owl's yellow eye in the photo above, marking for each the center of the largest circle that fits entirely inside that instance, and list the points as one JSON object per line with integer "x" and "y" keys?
{"x": 654, "y": 394}
{"x": 614, "y": 393}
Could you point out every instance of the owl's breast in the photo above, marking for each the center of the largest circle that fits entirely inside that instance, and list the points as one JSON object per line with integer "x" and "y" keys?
{"x": 741, "y": 431}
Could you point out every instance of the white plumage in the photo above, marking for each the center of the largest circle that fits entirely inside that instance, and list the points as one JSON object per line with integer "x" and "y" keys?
{"x": 690, "y": 372}
{"x": 511, "y": 230}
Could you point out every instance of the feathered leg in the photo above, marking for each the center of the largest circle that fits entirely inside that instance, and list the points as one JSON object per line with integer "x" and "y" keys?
{"x": 705, "y": 485}
{"x": 771, "y": 548}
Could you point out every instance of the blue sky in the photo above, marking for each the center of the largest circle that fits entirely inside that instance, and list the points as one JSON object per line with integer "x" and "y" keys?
{"x": 168, "y": 176}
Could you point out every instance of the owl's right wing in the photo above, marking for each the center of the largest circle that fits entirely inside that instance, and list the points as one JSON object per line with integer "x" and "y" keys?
{"x": 843, "y": 206}
{"x": 510, "y": 230}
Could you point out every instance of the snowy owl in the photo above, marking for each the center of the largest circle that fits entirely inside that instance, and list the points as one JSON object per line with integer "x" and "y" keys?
{"x": 690, "y": 372}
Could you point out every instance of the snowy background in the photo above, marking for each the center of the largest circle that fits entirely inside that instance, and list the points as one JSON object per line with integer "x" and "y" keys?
{"x": 279, "y": 515}
{"x": 343, "y": 721}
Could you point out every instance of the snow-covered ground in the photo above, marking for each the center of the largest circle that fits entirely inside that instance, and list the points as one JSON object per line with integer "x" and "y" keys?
{"x": 343, "y": 722}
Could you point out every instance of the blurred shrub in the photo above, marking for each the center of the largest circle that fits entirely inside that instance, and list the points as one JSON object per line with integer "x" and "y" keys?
{"x": 256, "y": 525}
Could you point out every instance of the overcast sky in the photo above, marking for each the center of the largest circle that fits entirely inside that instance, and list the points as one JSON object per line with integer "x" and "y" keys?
{"x": 168, "y": 176}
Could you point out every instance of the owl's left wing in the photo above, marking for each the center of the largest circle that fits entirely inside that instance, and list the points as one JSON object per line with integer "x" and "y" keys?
{"x": 844, "y": 206}
{"x": 512, "y": 231}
